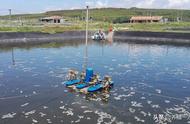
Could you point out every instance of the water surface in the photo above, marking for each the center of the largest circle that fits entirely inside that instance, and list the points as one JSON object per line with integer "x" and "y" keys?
{"x": 152, "y": 84}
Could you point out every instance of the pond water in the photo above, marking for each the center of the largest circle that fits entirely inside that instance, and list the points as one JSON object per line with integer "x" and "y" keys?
{"x": 152, "y": 84}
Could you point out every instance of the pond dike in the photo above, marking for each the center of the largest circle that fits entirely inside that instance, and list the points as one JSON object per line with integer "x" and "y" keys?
{"x": 27, "y": 38}
{"x": 153, "y": 37}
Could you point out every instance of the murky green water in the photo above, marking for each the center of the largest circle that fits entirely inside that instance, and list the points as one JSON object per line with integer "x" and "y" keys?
{"x": 152, "y": 84}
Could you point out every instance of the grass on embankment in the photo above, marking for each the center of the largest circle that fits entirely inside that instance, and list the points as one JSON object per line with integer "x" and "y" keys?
{"x": 154, "y": 27}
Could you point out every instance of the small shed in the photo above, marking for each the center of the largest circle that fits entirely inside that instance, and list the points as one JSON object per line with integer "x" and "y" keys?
{"x": 52, "y": 19}
{"x": 146, "y": 19}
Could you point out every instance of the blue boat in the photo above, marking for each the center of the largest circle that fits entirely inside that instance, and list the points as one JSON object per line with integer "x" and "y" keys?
{"x": 98, "y": 87}
{"x": 95, "y": 88}
{"x": 72, "y": 82}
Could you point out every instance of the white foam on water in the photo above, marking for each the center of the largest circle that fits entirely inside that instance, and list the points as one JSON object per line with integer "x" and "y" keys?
{"x": 138, "y": 119}
{"x": 149, "y": 102}
{"x": 187, "y": 100}
{"x": 62, "y": 107}
{"x": 49, "y": 121}
{"x": 1, "y": 73}
{"x": 87, "y": 111}
{"x": 36, "y": 85}
{"x": 30, "y": 112}
{"x": 77, "y": 121}
{"x": 68, "y": 111}
{"x": 143, "y": 113}
{"x": 104, "y": 115}
{"x": 135, "y": 104}
{"x": 80, "y": 116}
{"x": 45, "y": 107}
{"x": 114, "y": 60}
{"x": 88, "y": 118}
{"x": 166, "y": 101}
{"x": 119, "y": 97}
{"x": 83, "y": 107}
{"x": 158, "y": 91}
{"x": 132, "y": 110}
{"x": 155, "y": 106}
{"x": 125, "y": 65}
{"x": 34, "y": 121}
{"x": 42, "y": 114}
{"x": 74, "y": 103}
{"x": 49, "y": 61}
{"x": 143, "y": 98}
{"x": 25, "y": 104}
{"x": 34, "y": 92}
{"x": 9, "y": 115}
{"x": 124, "y": 89}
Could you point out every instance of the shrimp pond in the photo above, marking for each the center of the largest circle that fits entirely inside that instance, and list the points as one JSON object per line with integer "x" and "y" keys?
{"x": 151, "y": 84}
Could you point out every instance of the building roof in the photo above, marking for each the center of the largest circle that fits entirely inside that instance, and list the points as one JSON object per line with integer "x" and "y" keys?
{"x": 53, "y": 17}
{"x": 138, "y": 18}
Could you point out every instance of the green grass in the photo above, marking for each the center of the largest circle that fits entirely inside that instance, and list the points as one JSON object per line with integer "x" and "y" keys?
{"x": 160, "y": 27}
{"x": 109, "y": 14}
{"x": 102, "y": 19}
{"x": 155, "y": 27}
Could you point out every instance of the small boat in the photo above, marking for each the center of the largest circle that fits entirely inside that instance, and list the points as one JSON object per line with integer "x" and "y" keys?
{"x": 99, "y": 36}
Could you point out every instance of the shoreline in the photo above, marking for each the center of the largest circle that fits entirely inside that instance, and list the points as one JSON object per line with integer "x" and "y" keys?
{"x": 19, "y": 38}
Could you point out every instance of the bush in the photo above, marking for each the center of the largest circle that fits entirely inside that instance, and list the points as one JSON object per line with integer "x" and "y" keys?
{"x": 121, "y": 20}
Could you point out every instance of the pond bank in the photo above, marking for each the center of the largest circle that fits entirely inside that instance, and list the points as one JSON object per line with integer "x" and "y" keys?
{"x": 153, "y": 37}
{"x": 12, "y": 38}
{"x": 26, "y": 38}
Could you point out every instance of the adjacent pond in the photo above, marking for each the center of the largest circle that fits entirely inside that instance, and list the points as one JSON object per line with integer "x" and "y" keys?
{"x": 152, "y": 84}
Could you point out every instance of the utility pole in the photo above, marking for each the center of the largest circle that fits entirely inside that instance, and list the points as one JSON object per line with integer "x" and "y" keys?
{"x": 86, "y": 46}
{"x": 87, "y": 7}
{"x": 10, "y": 13}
